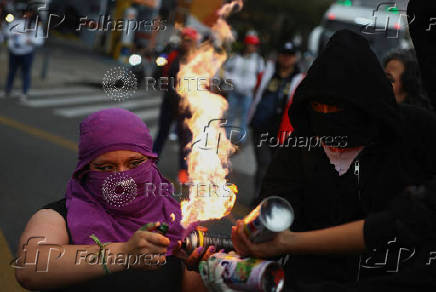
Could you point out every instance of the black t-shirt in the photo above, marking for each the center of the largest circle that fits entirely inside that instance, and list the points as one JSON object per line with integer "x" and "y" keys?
{"x": 168, "y": 278}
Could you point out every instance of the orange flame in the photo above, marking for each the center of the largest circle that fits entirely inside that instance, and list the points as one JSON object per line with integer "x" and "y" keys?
{"x": 207, "y": 165}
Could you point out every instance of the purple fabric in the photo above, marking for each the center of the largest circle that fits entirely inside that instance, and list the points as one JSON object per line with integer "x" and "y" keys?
{"x": 89, "y": 211}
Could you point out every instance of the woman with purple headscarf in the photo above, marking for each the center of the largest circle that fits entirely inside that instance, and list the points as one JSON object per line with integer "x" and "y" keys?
{"x": 97, "y": 237}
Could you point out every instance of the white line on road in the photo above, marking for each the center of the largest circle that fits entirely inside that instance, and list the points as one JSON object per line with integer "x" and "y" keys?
{"x": 148, "y": 115}
{"x": 60, "y": 101}
{"x": 63, "y": 90}
{"x": 72, "y": 112}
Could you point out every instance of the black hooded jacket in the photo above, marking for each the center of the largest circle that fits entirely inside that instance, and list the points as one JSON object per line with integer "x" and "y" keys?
{"x": 400, "y": 224}
{"x": 422, "y": 26}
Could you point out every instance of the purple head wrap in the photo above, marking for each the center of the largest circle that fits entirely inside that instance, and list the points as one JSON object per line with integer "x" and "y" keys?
{"x": 113, "y": 205}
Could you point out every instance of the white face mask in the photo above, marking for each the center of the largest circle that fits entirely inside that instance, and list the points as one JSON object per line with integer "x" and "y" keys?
{"x": 342, "y": 160}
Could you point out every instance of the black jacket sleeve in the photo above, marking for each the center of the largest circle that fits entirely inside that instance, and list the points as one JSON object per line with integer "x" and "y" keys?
{"x": 398, "y": 282}
{"x": 411, "y": 216}
{"x": 422, "y": 26}
{"x": 284, "y": 179}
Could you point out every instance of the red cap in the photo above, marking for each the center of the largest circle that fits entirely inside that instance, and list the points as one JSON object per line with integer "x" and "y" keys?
{"x": 190, "y": 33}
{"x": 251, "y": 39}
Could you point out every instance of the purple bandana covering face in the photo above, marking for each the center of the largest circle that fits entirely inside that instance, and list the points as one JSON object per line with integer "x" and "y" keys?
{"x": 113, "y": 205}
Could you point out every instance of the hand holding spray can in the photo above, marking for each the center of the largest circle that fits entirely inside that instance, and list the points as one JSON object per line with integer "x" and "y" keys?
{"x": 272, "y": 215}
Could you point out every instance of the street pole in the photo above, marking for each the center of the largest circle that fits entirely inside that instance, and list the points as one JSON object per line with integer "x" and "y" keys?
{"x": 45, "y": 50}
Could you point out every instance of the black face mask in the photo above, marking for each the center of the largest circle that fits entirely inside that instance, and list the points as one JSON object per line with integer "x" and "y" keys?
{"x": 352, "y": 127}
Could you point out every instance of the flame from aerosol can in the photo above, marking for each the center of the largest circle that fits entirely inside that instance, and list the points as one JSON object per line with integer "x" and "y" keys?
{"x": 207, "y": 166}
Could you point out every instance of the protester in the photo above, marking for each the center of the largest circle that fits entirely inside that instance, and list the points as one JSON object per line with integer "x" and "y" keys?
{"x": 422, "y": 27}
{"x": 402, "y": 69}
{"x": 23, "y": 35}
{"x": 244, "y": 71}
{"x": 170, "y": 110}
{"x": 109, "y": 196}
{"x": 360, "y": 173}
{"x": 270, "y": 108}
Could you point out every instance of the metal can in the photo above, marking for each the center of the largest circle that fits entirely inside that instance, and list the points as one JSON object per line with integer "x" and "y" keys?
{"x": 272, "y": 215}
{"x": 199, "y": 238}
{"x": 243, "y": 274}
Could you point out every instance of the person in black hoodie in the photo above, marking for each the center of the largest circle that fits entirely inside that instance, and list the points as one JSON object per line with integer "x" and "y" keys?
{"x": 422, "y": 27}
{"x": 365, "y": 196}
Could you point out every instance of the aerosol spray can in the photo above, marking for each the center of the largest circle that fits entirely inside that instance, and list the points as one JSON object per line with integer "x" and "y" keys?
{"x": 242, "y": 274}
{"x": 272, "y": 215}
{"x": 202, "y": 238}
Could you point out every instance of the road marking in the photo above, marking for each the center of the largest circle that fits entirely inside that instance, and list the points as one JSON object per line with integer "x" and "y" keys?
{"x": 39, "y": 133}
{"x": 147, "y": 115}
{"x": 47, "y": 102}
{"x": 64, "y": 90}
{"x": 7, "y": 277}
{"x": 60, "y": 91}
{"x": 79, "y": 111}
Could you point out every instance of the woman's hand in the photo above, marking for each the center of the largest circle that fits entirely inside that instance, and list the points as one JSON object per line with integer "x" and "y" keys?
{"x": 195, "y": 257}
{"x": 244, "y": 247}
{"x": 146, "y": 250}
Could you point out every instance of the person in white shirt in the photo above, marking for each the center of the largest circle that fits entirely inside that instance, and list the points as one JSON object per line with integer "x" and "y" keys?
{"x": 244, "y": 71}
{"x": 23, "y": 37}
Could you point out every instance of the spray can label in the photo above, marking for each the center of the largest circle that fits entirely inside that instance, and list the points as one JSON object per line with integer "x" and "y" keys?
{"x": 256, "y": 231}
{"x": 246, "y": 274}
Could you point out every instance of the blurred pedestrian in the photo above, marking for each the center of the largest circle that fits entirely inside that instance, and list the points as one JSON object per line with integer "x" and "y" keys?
{"x": 24, "y": 34}
{"x": 170, "y": 109}
{"x": 244, "y": 71}
{"x": 270, "y": 108}
{"x": 402, "y": 69}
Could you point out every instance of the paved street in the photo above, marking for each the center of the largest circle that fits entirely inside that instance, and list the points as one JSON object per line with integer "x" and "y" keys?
{"x": 38, "y": 148}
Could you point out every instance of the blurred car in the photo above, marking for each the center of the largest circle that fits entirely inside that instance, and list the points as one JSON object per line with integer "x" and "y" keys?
{"x": 383, "y": 23}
